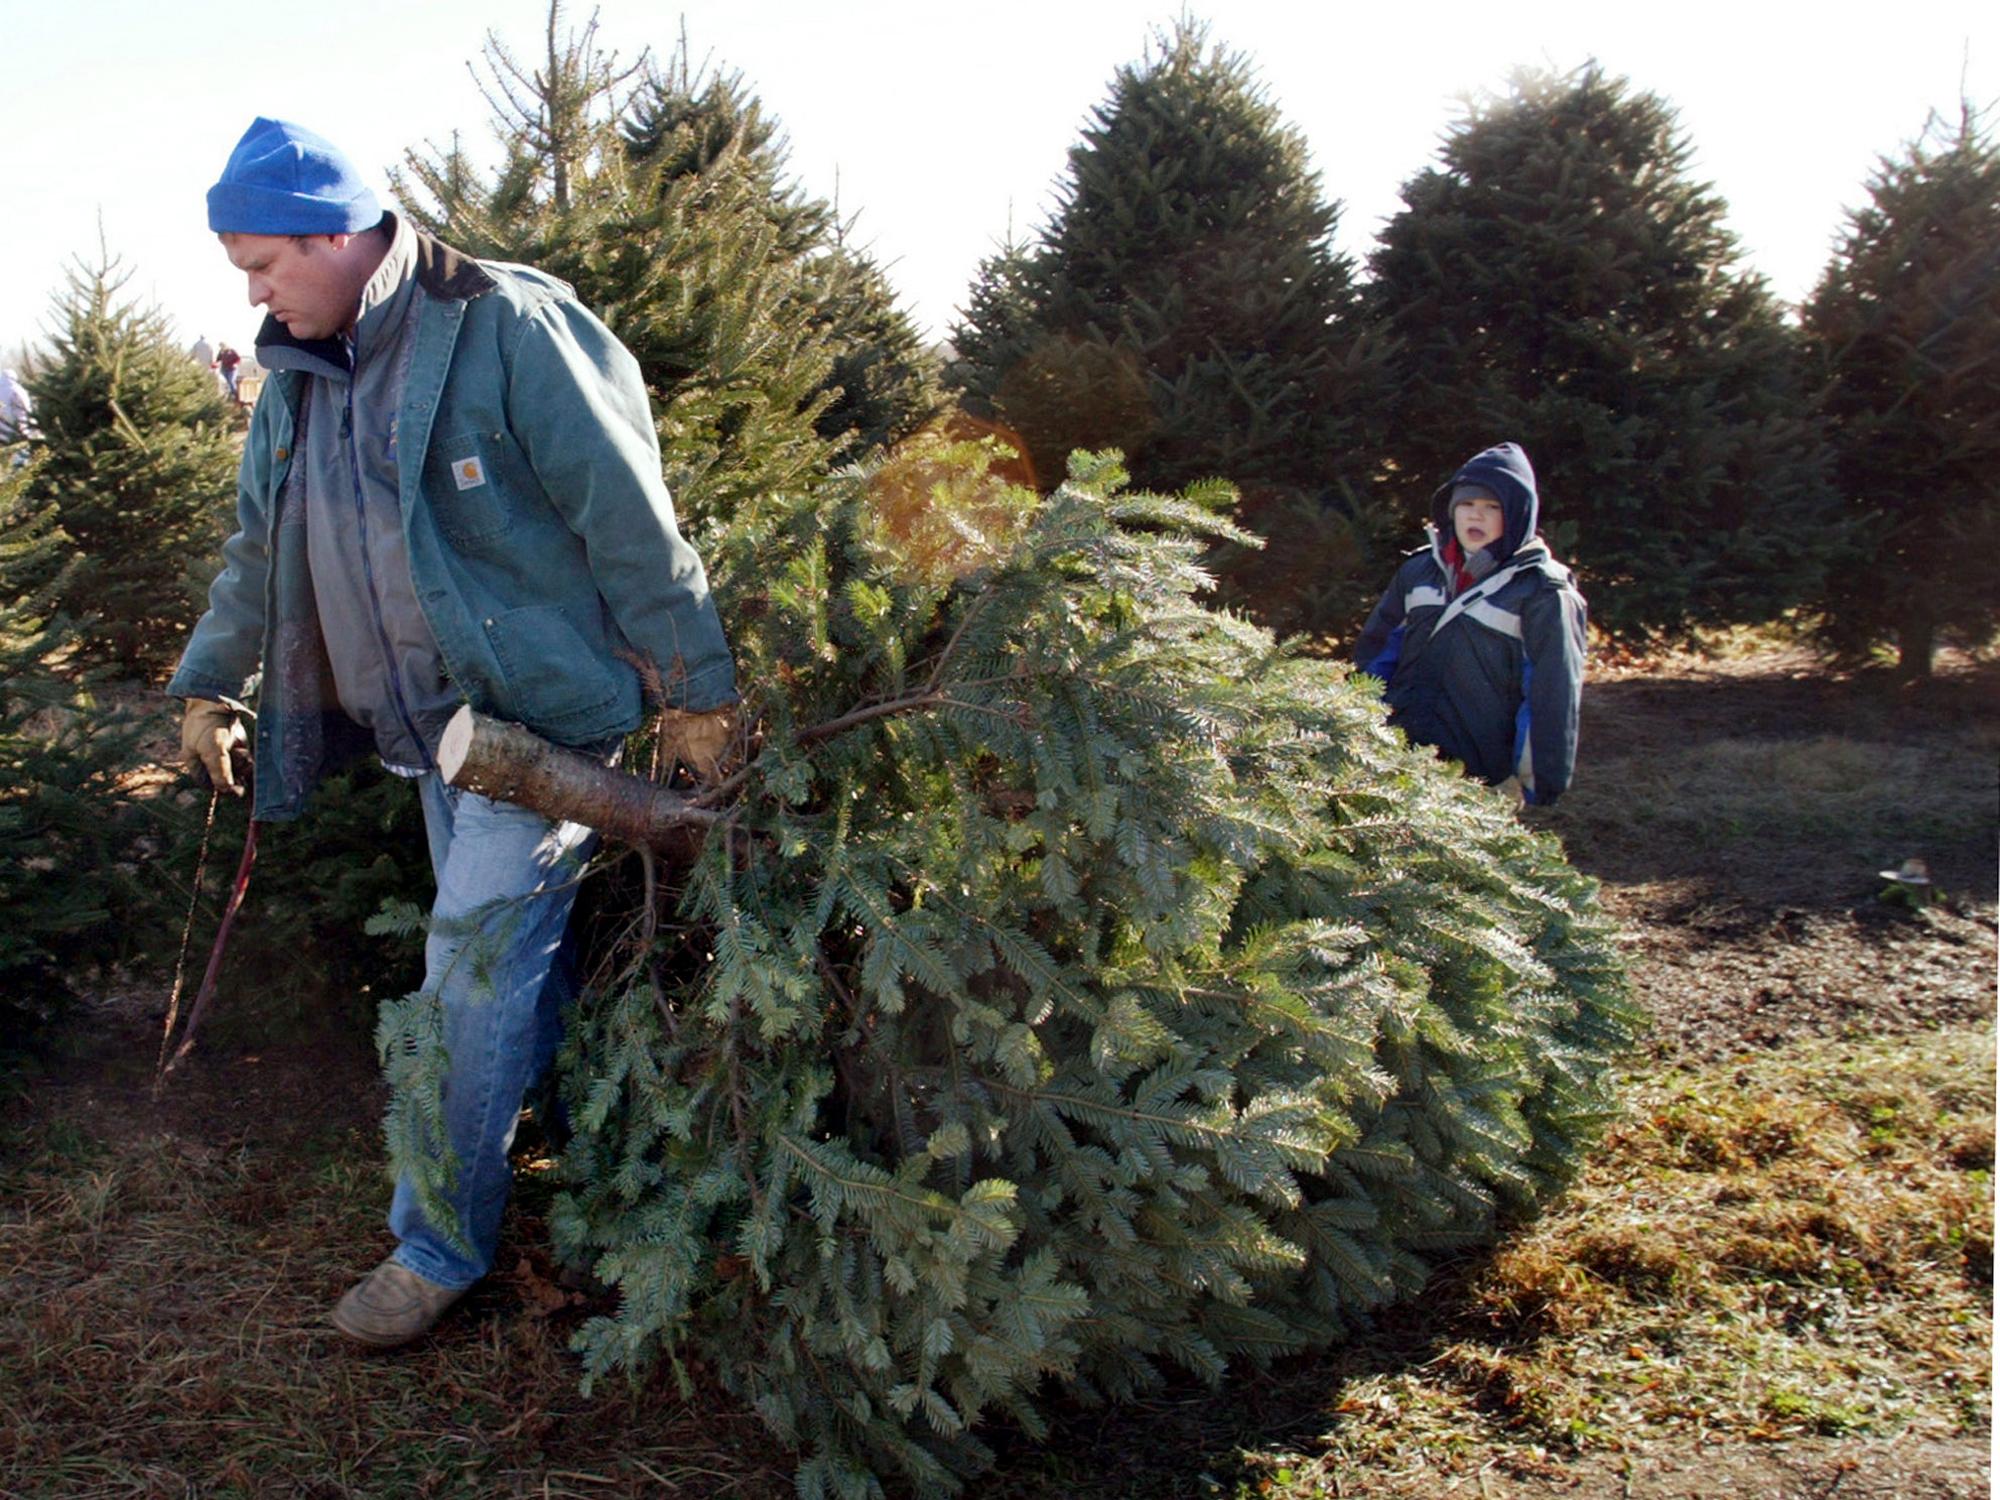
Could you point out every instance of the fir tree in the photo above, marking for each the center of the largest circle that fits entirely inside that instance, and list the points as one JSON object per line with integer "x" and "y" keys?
{"x": 685, "y": 272}
{"x": 1559, "y": 279}
{"x": 555, "y": 118}
{"x": 997, "y": 319}
{"x": 1185, "y": 306}
{"x": 1080, "y": 985}
{"x": 886, "y": 384}
{"x": 139, "y": 457}
{"x": 691, "y": 121}
{"x": 1905, "y": 327}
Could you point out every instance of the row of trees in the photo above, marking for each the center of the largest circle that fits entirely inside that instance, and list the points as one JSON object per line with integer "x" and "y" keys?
{"x": 1557, "y": 277}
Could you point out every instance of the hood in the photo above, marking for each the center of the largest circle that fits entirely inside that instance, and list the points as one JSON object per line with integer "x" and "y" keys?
{"x": 1505, "y": 470}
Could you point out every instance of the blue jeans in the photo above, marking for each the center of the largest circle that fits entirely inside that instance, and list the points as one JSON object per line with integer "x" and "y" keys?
{"x": 500, "y": 965}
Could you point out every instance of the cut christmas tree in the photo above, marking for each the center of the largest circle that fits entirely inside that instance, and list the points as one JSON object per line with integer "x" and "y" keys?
{"x": 1073, "y": 985}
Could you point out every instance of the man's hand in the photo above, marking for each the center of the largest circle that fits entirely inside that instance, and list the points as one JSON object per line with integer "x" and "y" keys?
{"x": 212, "y": 738}
{"x": 700, "y": 741}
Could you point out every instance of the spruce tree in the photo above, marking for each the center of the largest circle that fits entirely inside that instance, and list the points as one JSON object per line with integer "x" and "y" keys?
{"x": 1905, "y": 329}
{"x": 1185, "y": 306}
{"x": 1079, "y": 986}
{"x": 770, "y": 350}
{"x": 1559, "y": 279}
{"x": 67, "y": 831}
{"x": 690, "y": 121}
{"x": 138, "y": 455}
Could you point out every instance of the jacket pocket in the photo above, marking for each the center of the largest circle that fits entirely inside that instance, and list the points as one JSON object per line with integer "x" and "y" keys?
{"x": 554, "y": 679}
{"x": 467, "y": 481}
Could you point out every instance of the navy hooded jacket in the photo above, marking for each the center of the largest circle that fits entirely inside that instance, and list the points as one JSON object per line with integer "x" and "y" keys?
{"x": 1491, "y": 674}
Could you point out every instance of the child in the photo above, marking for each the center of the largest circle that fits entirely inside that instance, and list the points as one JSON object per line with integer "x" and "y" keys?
{"x": 1480, "y": 637}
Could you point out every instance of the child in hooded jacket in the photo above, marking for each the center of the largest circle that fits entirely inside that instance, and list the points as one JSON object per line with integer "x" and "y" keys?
{"x": 1480, "y": 636}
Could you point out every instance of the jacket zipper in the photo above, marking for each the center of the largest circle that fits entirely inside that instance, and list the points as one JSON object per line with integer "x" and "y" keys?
{"x": 368, "y": 573}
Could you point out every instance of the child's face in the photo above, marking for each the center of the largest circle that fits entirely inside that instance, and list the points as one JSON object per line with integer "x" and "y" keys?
{"x": 1478, "y": 523}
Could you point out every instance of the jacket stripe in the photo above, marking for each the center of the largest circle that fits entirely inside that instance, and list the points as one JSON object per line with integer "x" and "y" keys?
{"x": 1494, "y": 617}
{"x": 1485, "y": 588}
{"x": 1422, "y": 595}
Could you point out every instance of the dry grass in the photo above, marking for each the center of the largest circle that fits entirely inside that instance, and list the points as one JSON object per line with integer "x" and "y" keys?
{"x": 1788, "y": 1246}
{"x": 1780, "y": 1254}
{"x": 1797, "y": 1245}
{"x": 163, "y": 1334}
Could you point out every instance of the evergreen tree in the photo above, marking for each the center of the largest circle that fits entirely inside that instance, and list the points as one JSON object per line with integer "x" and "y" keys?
{"x": 555, "y": 118}
{"x": 886, "y": 384}
{"x": 768, "y": 348}
{"x": 997, "y": 319}
{"x": 139, "y": 457}
{"x": 1559, "y": 279}
{"x": 1186, "y": 307}
{"x": 689, "y": 121}
{"x": 66, "y": 831}
{"x": 1905, "y": 327}
{"x": 1078, "y": 985}
{"x": 685, "y": 272}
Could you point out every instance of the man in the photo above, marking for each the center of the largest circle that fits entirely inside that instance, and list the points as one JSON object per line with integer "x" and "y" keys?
{"x": 450, "y": 493}
{"x": 1480, "y": 636}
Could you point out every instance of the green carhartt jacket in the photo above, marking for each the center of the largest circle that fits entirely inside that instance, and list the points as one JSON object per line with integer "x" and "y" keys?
{"x": 541, "y": 538}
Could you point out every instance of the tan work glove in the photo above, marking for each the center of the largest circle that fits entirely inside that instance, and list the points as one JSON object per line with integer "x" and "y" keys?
{"x": 700, "y": 741}
{"x": 212, "y": 738}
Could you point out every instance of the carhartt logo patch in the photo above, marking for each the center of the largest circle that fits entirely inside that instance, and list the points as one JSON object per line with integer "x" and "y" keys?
{"x": 469, "y": 473}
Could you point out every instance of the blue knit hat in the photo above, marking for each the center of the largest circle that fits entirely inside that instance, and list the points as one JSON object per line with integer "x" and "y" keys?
{"x": 284, "y": 179}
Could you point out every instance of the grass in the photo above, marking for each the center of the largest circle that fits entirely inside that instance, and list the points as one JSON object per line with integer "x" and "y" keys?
{"x": 163, "y": 1334}
{"x": 1793, "y": 1245}
{"x": 1869, "y": 797}
{"x": 1782, "y": 1248}
{"x": 1788, "y": 1245}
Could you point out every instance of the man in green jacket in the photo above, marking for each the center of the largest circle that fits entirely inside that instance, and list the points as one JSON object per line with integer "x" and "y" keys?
{"x": 451, "y": 493}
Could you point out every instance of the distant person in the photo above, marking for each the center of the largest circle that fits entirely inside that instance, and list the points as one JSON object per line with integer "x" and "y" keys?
{"x": 17, "y": 409}
{"x": 1480, "y": 637}
{"x": 202, "y": 351}
{"x": 226, "y": 361}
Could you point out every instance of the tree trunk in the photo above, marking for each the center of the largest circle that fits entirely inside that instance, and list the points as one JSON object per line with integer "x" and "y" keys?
{"x": 506, "y": 761}
{"x": 1916, "y": 637}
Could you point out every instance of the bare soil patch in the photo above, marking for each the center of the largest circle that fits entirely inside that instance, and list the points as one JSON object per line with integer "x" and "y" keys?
{"x": 1739, "y": 814}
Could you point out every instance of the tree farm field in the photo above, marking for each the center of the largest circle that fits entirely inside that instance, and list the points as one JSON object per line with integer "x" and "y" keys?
{"x": 1774, "y": 1279}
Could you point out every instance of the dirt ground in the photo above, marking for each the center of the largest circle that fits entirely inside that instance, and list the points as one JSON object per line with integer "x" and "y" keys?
{"x": 1750, "y": 926}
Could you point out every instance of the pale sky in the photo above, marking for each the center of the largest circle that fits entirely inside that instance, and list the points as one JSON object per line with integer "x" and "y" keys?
{"x": 937, "y": 121}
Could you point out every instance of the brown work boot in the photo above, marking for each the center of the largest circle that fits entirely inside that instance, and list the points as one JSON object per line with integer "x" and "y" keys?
{"x": 392, "y": 1305}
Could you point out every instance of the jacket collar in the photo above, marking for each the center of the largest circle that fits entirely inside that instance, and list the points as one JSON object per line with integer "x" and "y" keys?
{"x": 450, "y": 274}
{"x": 444, "y": 273}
